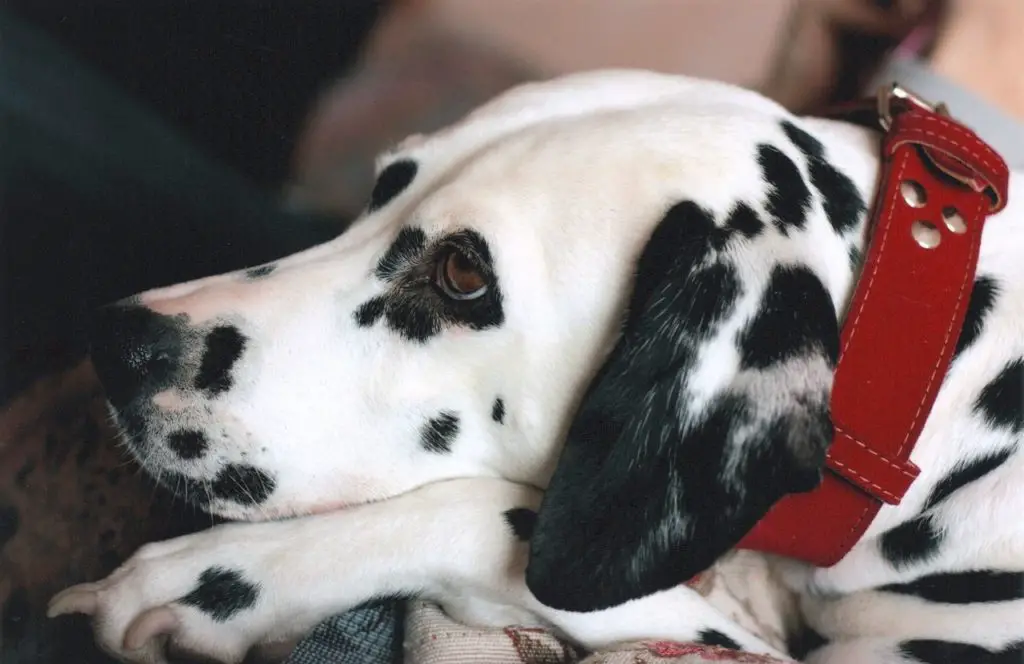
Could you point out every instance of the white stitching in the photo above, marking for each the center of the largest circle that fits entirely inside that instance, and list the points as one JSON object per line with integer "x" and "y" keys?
{"x": 949, "y": 330}
{"x": 880, "y": 490}
{"x": 843, "y": 544}
{"x": 874, "y": 268}
{"x": 909, "y": 133}
{"x": 955, "y": 126}
{"x": 886, "y": 460}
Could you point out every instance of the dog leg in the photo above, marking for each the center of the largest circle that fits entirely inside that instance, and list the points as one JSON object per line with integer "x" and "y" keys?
{"x": 461, "y": 543}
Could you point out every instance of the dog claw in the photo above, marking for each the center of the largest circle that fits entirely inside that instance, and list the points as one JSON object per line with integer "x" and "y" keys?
{"x": 152, "y": 623}
{"x": 77, "y": 599}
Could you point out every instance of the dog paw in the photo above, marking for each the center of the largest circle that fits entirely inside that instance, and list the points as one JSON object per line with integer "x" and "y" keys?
{"x": 196, "y": 596}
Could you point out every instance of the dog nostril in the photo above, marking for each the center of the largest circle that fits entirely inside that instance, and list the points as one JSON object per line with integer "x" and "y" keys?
{"x": 160, "y": 360}
{"x": 135, "y": 351}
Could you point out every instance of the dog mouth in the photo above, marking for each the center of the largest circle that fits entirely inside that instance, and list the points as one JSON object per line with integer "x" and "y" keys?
{"x": 185, "y": 462}
{"x": 236, "y": 489}
{"x": 223, "y": 483}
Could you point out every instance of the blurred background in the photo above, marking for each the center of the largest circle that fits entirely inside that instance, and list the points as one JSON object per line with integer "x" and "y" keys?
{"x": 146, "y": 143}
{"x": 252, "y": 82}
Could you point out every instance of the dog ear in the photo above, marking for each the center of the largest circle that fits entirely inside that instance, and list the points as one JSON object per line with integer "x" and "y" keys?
{"x": 712, "y": 406}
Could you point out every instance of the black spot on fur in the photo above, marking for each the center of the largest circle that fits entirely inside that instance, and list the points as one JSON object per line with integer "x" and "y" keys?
{"x": 408, "y": 246}
{"x": 259, "y": 272}
{"x": 743, "y": 220}
{"x": 521, "y": 520}
{"x": 391, "y": 182}
{"x": 369, "y": 312}
{"x": 983, "y": 298}
{"x": 9, "y": 522}
{"x": 415, "y": 307}
{"x": 411, "y": 317}
{"x": 222, "y": 594}
{"x": 796, "y": 318}
{"x": 712, "y": 637}
{"x": 1001, "y": 402}
{"x": 498, "y": 411}
{"x": 243, "y": 484}
{"x": 856, "y": 258}
{"x": 809, "y": 145}
{"x": 965, "y": 473}
{"x": 964, "y": 587}
{"x": 933, "y": 651}
{"x": 911, "y": 542}
{"x": 788, "y": 195}
{"x": 688, "y": 225}
{"x": 188, "y": 444}
{"x": 843, "y": 204}
{"x": 439, "y": 432}
{"x": 224, "y": 345}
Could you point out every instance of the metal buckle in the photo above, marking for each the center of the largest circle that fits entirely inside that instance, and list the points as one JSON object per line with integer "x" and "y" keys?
{"x": 886, "y": 95}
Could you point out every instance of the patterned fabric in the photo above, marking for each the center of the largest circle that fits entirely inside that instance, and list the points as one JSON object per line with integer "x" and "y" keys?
{"x": 434, "y": 638}
{"x": 370, "y": 634}
{"x": 375, "y": 635}
{"x": 739, "y": 586}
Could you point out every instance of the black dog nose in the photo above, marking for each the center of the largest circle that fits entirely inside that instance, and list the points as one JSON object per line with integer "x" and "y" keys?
{"x": 136, "y": 352}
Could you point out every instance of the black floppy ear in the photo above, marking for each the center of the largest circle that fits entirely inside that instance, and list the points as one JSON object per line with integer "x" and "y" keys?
{"x": 702, "y": 418}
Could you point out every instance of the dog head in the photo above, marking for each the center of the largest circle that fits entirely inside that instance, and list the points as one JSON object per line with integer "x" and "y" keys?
{"x": 474, "y": 314}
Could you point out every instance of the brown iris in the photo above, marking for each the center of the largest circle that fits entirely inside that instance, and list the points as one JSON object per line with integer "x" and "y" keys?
{"x": 459, "y": 277}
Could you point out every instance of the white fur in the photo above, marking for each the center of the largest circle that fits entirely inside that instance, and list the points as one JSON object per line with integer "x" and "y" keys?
{"x": 565, "y": 179}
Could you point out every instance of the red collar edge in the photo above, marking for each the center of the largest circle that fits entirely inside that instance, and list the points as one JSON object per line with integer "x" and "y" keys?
{"x": 938, "y": 182}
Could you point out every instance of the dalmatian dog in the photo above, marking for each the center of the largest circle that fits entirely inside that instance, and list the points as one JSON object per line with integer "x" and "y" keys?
{"x": 655, "y": 263}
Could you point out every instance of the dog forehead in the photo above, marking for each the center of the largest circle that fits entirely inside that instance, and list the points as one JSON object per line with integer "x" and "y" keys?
{"x": 590, "y": 131}
{"x": 607, "y": 169}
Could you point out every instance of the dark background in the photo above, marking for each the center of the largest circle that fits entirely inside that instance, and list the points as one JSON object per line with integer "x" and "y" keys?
{"x": 237, "y": 77}
{"x": 142, "y": 143}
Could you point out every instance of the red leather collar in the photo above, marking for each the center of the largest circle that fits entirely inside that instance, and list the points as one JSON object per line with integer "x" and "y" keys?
{"x": 938, "y": 183}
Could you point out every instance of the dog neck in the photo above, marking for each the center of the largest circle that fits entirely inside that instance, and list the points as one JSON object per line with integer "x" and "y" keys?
{"x": 956, "y": 441}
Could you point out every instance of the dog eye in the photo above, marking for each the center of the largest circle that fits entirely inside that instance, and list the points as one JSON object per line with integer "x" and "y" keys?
{"x": 458, "y": 277}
